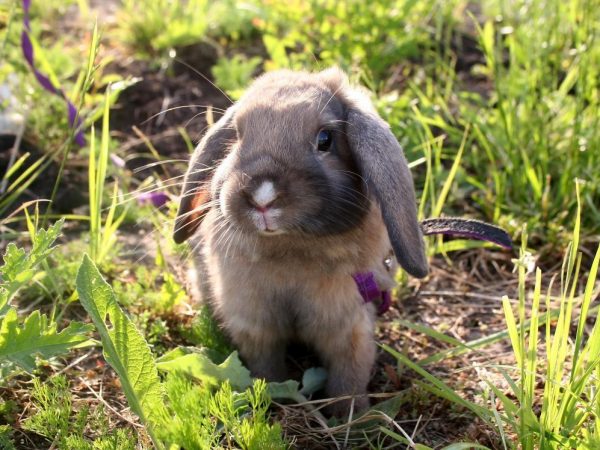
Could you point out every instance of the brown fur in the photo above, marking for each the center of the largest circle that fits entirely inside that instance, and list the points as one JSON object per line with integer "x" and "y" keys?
{"x": 268, "y": 289}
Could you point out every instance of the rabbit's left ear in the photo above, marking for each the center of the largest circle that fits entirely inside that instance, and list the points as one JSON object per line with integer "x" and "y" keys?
{"x": 383, "y": 166}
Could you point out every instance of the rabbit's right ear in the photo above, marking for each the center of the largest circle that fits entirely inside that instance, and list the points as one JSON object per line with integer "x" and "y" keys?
{"x": 196, "y": 186}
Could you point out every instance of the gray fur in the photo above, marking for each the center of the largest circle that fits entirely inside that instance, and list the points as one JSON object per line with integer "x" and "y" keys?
{"x": 285, "y": 273}
{"x": 211, "y": 149}
{"x": 384, "y": 168}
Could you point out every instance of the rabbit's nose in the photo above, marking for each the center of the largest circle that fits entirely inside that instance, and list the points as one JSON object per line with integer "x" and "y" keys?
{"x": 263, "y": 196}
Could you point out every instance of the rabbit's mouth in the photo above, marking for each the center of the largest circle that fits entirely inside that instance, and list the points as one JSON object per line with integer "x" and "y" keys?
{"x": 265, "y": 221}
{"x": 269, "y": 232}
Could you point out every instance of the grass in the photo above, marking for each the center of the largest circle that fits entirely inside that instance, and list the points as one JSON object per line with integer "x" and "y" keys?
{"x": 543, "y": 128}
{"x": 56, "y": 421}
{"x": 497, "y": 107}
{"x": 568, "y": 416}
{"x": 102, "y": 230}
{"x": 552, "y": 398}
{"x": 157, "y": 29}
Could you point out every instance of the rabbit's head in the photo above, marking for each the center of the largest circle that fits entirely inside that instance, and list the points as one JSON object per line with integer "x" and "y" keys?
{"x": 302, "y": 154}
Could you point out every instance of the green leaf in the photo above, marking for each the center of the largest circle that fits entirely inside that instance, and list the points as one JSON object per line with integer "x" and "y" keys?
{"x": 124, "y": 347}
{"x": 404, "y": 440}
{"x": 19, "y": 266}
{"x": 286, "y": 390}
{"x": 465, "y": 446}
{"x": 390, "y": 407}
{"x": 3, "y": 301}
{"x": 382, "y": 411}
{"x": 198, "y": 365}
{"x": 177, "y": 353}
{"x": 19, "y": 344}
{"x": 180, "y": 351}
{"x": 313, "y": 380}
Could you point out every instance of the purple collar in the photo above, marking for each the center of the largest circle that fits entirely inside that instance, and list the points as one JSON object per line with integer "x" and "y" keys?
{"x": 367, "y": 286}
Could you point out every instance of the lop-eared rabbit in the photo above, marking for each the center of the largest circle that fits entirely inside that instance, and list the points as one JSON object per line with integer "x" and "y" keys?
{"x": 299, "y": 187}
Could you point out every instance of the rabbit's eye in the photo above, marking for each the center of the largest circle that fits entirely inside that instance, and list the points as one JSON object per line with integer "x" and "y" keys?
{"x": 324, "y": 140}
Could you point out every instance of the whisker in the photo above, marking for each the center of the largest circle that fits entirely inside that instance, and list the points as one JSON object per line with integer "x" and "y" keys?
{"x": 205, "y": 78}
{"x": 192, "y": 118}
{"x": 196, "y": 210}
{"x": 157, "y": 163}
{"x": 330, "y": 98}
{"x": 174, "y": 108}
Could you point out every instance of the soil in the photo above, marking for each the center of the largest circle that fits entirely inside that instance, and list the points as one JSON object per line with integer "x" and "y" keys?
{"x": 165, "y": 101}
{"x": 69, "y": 194}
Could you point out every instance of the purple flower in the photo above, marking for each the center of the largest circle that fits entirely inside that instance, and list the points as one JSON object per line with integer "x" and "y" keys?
{"x": 43, "y": 80}
{"x": 157, "y": 198}
{"x": 117, "y": 161}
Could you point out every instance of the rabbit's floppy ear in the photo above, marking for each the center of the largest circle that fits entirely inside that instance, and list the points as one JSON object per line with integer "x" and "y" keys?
{"x": 196, "y": 186}
{"x": 383, "y": 166}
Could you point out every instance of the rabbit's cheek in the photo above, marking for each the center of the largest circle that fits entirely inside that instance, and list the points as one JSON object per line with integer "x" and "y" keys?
{"x": 221, "y": 184}
{"x": 225, "y": 203}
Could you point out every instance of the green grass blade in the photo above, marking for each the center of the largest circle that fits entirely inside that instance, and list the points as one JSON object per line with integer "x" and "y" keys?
{"x": 577, "y": 227}
{"x": 93, "y": 195}
{"x": 511, "y": 327}
{"x": 585, "y": 306}
{"x": 85, "y": 85}
{"x": 23, "y": 181}
{"x": 441, "y": 200}
{"x": 16, "y": 166}
{"x": 529, "y": 381}
{"x": 100, "y": 174}
{"x": 434, "y": 334}
{"x": 7, "y": 201}
{"x": 439, "y": 386}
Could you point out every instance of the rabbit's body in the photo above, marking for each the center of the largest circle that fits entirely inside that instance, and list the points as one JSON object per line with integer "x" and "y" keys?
{"x": 269, "y": 291}
{"x": 288, "y": 186}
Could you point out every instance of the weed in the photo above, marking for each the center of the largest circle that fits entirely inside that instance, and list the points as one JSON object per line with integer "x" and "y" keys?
{"x": 542, "y": 130}
{"x": 359, "y": 37}
{"x": 154, "y": 329}
{"x": 53, "y": 402}
{"x": 22, "y": 339}
{"x": 205, "y": 332}
{"x": 249, "y": 431}
{"x": 6, "y": 441}
{"x": 497, "y": 132}
{"x": 102, "y": 230}
{"x": 234, "y": 74}
{"x": 47, "y": 120}
{"x": 564, "y": 415}
{"x": 157, "y": 28}
{"x": 55, "y": 420}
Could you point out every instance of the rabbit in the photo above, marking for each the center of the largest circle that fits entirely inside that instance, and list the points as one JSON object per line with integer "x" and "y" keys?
{"x": 297, "y": 187}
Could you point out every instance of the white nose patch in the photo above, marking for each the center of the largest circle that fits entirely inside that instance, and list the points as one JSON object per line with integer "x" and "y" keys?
{"x": 265, "y": 194}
